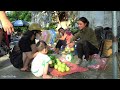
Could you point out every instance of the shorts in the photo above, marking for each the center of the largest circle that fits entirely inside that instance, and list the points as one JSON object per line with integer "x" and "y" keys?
{"x": 60, "y": 43}
{"x": 39, "y": 72}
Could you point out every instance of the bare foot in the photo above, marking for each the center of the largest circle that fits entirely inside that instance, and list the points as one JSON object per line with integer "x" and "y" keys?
{"x": 25, "y": 69}
{"x": 47, "y": 77}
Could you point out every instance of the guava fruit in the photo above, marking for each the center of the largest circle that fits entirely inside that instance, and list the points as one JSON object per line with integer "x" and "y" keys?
{"x": 59, "y": 69}
{"x": 71, "y": 49}
{"x": 56, "y": 66}
{"x": 63, "y": 65}
{"x": 59, "y": 63}
{"x": 62, "y": 69}
{"x": 67, "y": 69}
{"x": 57, "y": 60}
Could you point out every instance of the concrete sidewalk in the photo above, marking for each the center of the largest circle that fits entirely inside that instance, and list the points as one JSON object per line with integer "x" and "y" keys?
{"x": 7, "y": 71}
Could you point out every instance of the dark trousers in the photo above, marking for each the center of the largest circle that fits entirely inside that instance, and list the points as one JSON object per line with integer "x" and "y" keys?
{"x": 60, "y": 43}
{"x": 86, "y": 48}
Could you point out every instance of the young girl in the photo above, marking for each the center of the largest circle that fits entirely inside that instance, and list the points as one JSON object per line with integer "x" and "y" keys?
{"x": 40, "y": 63}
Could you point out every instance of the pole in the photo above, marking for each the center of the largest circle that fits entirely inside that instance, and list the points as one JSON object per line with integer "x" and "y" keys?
{"x": 114, "y": 45}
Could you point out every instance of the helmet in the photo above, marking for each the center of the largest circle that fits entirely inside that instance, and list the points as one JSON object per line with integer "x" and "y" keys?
{"x": 34, "y": 26}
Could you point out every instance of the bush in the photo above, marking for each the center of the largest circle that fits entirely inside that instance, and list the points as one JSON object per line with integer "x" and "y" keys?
{"x": 51, "y": 26}
{"x": 74, "y": 30}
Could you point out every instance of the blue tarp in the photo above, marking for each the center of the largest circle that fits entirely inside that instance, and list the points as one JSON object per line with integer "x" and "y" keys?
{"x": 20, "y": 23}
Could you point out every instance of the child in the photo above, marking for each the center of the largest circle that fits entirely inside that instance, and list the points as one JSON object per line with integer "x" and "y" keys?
{"x": 40, "y": 63}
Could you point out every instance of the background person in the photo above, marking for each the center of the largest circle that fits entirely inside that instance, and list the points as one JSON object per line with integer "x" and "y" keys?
{"x": 63, "y": 40}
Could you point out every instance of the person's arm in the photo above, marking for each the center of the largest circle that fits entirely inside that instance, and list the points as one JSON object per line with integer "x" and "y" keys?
{"x": 34, "y": 54}
{"x": 72, "y": 41}
{"x": 75, "y": 37}
{"x": 63, "y": 37}
{"x": 6, "y": 24}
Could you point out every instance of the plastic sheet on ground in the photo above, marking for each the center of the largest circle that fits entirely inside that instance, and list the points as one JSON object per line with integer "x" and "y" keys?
{"x": 98, "y": 62}
{"x": 73, "y": 69}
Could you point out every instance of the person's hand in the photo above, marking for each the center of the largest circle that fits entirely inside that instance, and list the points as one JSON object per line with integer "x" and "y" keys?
{"x": 71, "y": 45}
{"x": 57, "y": 38}
{"x": 7, "y": 26}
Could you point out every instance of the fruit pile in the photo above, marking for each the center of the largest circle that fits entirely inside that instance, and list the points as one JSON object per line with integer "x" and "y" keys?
{"x": 58, "y": 65}
{"x": 67, "y": 50}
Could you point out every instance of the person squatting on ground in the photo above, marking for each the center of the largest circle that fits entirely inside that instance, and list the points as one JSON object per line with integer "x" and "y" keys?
{"x": 87, "y": 44}
{"x": 28, "y": 46}
{"x": 40, "y": 63}
{"x": 63, "y": 40}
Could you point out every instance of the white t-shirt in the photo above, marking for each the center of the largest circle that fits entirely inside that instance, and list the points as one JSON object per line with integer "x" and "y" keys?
{"x": 39, "y": 63}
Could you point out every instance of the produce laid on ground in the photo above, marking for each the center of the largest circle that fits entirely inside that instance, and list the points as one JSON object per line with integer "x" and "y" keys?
{"x": 50, "y": 52}
{"x": 67, "y": 50}
{"x": 63, "y": 64}
{"x": 69, "y": 57}
{"x": 58, "y": 65}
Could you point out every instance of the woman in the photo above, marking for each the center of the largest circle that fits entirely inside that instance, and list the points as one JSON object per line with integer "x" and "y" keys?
{"x": 28, "y": 46}
{"x": 87, "y": 43}
{"x": 64, "y": 39}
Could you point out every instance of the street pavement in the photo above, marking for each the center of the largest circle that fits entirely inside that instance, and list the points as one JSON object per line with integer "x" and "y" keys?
{"x": 7, "y": 71}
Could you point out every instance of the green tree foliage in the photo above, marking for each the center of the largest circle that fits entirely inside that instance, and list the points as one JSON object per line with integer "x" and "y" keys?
{"x": 19, "y": 15}
{"x": 22, "y": 15}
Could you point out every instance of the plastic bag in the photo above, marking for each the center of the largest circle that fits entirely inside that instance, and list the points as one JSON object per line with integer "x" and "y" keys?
{"x": 97, "y": 62}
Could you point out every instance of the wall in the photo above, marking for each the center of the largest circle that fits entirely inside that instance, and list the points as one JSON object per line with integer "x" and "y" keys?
{"x": 99, "y": 18}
